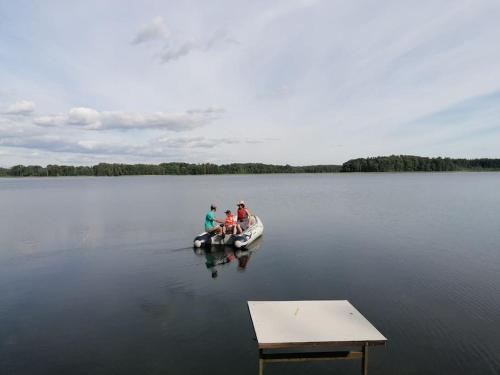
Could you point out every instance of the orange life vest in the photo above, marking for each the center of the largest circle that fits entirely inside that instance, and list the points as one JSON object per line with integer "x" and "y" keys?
{"x": 229, "y": 220}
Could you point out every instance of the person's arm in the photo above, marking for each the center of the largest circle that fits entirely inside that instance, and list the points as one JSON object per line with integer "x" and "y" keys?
{"x": 219, "y": 221}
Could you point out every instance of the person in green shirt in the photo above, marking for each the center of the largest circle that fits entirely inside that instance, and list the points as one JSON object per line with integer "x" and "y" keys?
{"x": 211, "y": 222}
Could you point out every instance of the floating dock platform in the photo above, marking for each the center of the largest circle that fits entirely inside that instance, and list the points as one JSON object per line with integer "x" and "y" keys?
{"x": 311, "y": 324}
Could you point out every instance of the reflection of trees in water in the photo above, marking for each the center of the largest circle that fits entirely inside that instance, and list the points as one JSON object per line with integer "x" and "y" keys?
{"x": 217, "y": 257}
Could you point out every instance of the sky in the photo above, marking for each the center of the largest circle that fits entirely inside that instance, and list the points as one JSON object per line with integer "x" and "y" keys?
{"x": 286, "y": 82}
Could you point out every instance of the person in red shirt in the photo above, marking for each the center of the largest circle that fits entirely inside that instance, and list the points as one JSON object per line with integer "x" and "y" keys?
{"x": 244, "y": 216}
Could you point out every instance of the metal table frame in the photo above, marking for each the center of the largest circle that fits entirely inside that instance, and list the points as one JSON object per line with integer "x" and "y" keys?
{"x": 362, "y": 354}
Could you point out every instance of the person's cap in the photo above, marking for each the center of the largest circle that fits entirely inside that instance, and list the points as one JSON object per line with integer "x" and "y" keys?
{"x": 241, "y": 203}
{"x": 228, "y": 211}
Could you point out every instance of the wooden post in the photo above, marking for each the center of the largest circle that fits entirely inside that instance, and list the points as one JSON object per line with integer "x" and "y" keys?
{"x": 261, "y": 363}
{"x": 364, "y": 360}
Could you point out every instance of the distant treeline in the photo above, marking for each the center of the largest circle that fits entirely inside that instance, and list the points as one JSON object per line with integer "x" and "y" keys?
{"x": 394, "y": 163}
{"x": 104, "y": 169}
{"x": 408, "y": 163}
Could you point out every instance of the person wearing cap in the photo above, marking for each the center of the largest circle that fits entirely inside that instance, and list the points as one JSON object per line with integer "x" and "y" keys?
{"x": 244, "y": 216}
{"x": 230, "y": 224}
{"x": 211, "y": 221}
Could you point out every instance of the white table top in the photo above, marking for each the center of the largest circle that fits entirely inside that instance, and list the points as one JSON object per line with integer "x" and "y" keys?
{"x": 284, "y": 324}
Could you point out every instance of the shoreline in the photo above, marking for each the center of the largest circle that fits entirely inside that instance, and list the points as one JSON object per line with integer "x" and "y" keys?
{"x": 255, "y": 174}
{"x": 379, "y": 164}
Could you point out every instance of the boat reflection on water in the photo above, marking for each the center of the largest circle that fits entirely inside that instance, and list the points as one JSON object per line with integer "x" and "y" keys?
{"x": 217, "y": 258}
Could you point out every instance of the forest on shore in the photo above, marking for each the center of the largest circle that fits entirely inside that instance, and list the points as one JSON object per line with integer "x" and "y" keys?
{"x": 393, "y": 163}
{"x": 105, "y": 169}
{"x": 408, "y": 163}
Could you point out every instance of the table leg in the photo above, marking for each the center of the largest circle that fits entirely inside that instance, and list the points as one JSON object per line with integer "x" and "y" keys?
{"x": 364, "y": 361}
{"x": 261, "y": 363}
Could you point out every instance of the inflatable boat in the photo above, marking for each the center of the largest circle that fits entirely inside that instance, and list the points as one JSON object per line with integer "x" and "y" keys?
{"x": 244, "y": 239}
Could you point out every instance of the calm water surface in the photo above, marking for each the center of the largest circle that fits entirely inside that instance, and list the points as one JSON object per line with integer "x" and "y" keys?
{"x": 97, "y": 275}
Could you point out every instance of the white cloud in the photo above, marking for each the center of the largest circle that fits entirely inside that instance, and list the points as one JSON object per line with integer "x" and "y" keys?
{"x": 21, "y": 108}
{"x": 50, "y": 120}
{"x": 77, "y": 140}
{"x": 156, "y": 30}
{"x": 178, "y": 45}
{"x": 89, "y": 118}
{"x": 174, "y": 121}
{"x": 161, "y": 147}
{"x": 173, "y": 52}
{"x": 194, "y": 142}
{"x": 82, "y": 116}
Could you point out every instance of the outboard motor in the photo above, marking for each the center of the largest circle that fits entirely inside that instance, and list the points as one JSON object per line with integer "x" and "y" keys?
{"x": 204, "y": 239}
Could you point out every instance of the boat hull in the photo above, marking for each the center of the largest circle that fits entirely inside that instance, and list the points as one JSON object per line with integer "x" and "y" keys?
{"x": 239, "y": 240}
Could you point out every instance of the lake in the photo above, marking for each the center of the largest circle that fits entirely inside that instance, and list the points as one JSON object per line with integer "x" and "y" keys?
{"x": 98, "y": 275}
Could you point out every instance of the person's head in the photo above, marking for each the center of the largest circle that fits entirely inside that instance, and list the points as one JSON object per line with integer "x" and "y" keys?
{"x": 213, "y": 207}
{"x": 228, "y": 212}
{"x": 241, "y": 204}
